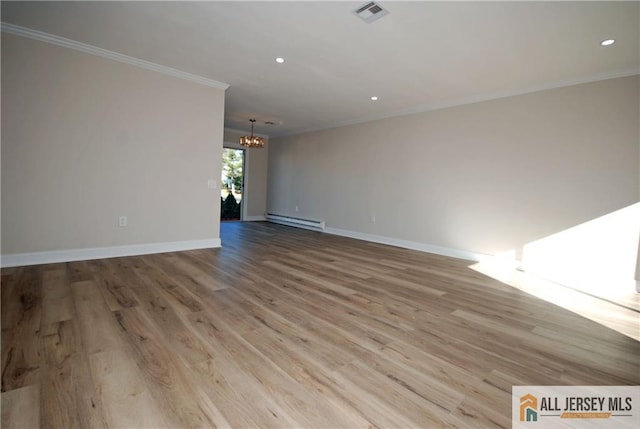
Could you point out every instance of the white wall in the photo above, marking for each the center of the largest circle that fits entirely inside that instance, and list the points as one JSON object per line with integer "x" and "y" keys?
{"x": 87, "y": 139}
{"x": 598, "y": 256}
{"x": 485, "y": 178}
{"x": 255, "y": 176}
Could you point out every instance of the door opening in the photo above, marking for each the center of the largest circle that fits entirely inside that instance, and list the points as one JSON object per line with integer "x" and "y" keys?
{"x": 232, "y": 184}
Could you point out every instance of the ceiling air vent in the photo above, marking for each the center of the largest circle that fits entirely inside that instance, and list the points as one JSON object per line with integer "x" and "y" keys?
{"x": 370, "y": 12}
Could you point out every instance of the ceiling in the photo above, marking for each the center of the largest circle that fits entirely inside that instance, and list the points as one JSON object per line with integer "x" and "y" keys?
{"x": 423, "y": 55}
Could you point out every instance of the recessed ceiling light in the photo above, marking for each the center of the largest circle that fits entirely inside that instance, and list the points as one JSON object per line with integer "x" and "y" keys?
{"x": 374, "y": 98}
{"x": 279, "y": 60}
{"x": 608, "y": 42}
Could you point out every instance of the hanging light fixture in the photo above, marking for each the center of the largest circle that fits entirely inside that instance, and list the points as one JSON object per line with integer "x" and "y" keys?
{"x": 252, "y": 141}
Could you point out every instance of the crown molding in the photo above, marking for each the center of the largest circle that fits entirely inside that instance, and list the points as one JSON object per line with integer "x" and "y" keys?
{"x": 105, "y": 53}
{"x": 468, "y": 100}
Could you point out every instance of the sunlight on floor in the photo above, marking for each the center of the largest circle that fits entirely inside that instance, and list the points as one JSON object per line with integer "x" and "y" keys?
{"x": 614, "y": 316}
{"x": 588, "y": 269}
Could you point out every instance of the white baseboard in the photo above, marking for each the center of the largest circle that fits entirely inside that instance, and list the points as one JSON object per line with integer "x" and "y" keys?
{"x": 23, "y": 259}
{"x": 254, "y": 218}
{"x": 52, "y": 257}
{"x": 423, "y": 247}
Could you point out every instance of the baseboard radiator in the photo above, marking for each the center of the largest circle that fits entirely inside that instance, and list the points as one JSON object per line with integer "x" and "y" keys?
{"x": 316, "y": 225}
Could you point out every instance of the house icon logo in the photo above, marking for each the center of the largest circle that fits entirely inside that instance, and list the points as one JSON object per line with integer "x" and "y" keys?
{"x": 528, "y": 408}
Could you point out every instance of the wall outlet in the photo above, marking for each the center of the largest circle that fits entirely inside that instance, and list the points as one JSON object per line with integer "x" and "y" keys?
{"x": 123, "y": 221}
{"x": 211, "y": 184}
{"x": 296, "y": 208}
{"x": 373, "y": 218}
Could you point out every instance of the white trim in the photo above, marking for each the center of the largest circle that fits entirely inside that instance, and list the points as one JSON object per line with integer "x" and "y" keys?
{"x": 467, "y": 100}
{"x": 52, "y": 257}
{"x": 254, "y": 218}
{"x": 422, "y": 247}
{"x": 105, "y": 53}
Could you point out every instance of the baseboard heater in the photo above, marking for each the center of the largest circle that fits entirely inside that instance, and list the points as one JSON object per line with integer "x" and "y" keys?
{"x": 316, "y": 225}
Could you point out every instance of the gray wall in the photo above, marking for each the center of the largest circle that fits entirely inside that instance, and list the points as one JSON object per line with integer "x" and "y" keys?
{"x": 86, "y": 139}
{"x": 484, "y": 178}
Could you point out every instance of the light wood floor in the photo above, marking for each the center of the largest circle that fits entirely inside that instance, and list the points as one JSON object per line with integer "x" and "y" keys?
{"x": 286, "y": 328}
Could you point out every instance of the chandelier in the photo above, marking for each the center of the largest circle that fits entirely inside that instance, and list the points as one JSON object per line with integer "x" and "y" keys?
{"x": 252, "y": 141}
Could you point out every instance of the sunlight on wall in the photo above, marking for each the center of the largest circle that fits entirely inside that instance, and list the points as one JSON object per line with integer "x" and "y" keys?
{"x": 594, "y": 260}
{"x": 597, "y": 257}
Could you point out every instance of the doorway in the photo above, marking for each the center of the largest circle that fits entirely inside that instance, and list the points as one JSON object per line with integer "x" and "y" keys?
{"x": 231, "y": 184}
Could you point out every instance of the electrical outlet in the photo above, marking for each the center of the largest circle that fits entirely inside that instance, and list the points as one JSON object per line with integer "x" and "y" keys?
{"x": 123, "y": 221}
{"x": 211, "y": 184}
{"x": 296, "y": 208}
{"x": 373, "y": 218}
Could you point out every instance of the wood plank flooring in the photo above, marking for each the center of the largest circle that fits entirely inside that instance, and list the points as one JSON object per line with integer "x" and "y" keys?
{"x": 286, "y": 328}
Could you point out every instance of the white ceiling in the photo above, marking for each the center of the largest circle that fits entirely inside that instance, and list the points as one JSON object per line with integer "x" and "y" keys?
{"x": 423, "y": 55}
